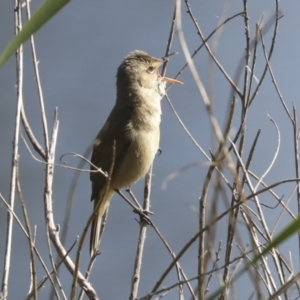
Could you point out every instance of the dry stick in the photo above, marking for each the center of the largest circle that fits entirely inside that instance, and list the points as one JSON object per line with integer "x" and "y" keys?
{"x": 232, "y": 83}
{"x": 177, "y": 264}
{"x": 181, "y": 70}
{"x": 228, "y": 126}
{"x": 45, "y": 128}
{"x": 38, "y": 84}
{"x": 26, "y": 234}
{"x": 253, "y": 194}
{"x": 214, "y": 47}
{"x": 202, "y": 205}
{"x": 28, "y": 228}
{"x": 247, "y": 93}
{"x": 206, "y": 40}
{"x": 188, "y": 244}
{"x": 214, "y": 124}
{"x": 136, "y": 201}
{"x": 48, "y": 276}
{"x": 48, "y": 190}
{"x": 194, "y": 238}
{"x": 256, "y": 268}
{"x": 193, "y": 139}
{"x": 266, "y": 27}
{"x": 144, "y": 216}
{"x": 246, "y": 216}
{"x": 294, "y": 124}
{"x": 8, "y": 242}
{"x": 57, "y": 280}
{"x": 214, "y": 266}
{"x": 90, "y": 266}
{"x": 241, "y": 64}
{"x": 284, "y": 209}
{"x": 284, "y": 287}
{"x": 170, "y": 40}
{"x": 262, "y": 218}
{"x": 247, "y": 55}
{"x": 275, "y": 195}
{"x": 202, "y": 237}
{"x": 70, "y": 202}
{"x": 208, "y": 105}
{"x": 269, "y": 68}
{"x": 36, "y": 145}
{"x": 201, "y": 242}
{"x": 167, "y": 289}
{"x": 274, "y": 157}
{"x": 289, "y": 268}
{"x": 233, "y": 218}
{"x": 296, "y": 159}
{"x": 193, "y": 278}
{"x": 25, "y": 122}
{"x": 254, "y": 239}
{"x": 141, "y": 241}
{"x": 53, "y": 230}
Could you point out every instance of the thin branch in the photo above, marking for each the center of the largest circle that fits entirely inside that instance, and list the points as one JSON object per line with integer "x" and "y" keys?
{"x": 274, "y": 157}
{"x": 269, "y": 68}
{"x": 196, "y": 77}
{"x": 141, "y": 240}
{"x": 38, "y": 84}
{"x": 34, "y": 142}
{"x": 9, "y": 228}
{"x": 26, "y": 234}
{"x": 271, "y": 21}
{"x": 232, "y": 83}
{"x": 54, "y": 230}
{"x": 28, "y": 228}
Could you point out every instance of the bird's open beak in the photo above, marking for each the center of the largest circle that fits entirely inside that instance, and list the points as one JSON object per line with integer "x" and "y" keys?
{"x": 171, "y": 80}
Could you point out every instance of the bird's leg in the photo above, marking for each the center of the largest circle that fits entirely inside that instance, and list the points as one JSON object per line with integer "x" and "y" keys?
{"x": 144, "y": 214}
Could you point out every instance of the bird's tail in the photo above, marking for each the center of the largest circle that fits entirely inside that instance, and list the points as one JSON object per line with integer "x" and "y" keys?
{"x": 96, "y": 224}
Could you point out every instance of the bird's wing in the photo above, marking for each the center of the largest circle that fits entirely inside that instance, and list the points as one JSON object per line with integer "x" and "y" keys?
{"x": 113, "y": 130}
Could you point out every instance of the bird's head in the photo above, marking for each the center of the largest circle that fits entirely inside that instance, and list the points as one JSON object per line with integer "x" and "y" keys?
{"x": 140, "y": 70}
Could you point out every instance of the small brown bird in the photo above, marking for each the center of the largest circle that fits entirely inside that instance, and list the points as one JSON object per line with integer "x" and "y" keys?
{"x": 133, "y": 125}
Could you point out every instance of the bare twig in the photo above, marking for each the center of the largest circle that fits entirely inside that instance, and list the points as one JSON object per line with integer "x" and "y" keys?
{"x": 28, "y": 228}
{"x": 8, "y": 242}
{"x": 54, "y": 230}
{"x": 141, "y": 240}
{"x": 26, "y": 234}
{"x": 232, "y": 83}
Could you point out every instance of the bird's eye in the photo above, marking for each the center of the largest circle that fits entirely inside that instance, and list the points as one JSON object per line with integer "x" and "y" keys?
{"x": 150, "y": 69}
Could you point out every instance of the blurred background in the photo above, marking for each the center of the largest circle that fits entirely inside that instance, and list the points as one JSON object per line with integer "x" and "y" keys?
{"x": 79, "y": 51}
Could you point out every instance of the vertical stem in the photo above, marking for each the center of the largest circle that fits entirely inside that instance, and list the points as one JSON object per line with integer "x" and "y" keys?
{"x": 19, "y": 61}
{"x": 296, "y": 149}
{"x": 142, "y": 237}
{"x": 202, "y": 250}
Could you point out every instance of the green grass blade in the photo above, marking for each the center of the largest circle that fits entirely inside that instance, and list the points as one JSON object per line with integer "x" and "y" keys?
{"x": 45, "y": 12}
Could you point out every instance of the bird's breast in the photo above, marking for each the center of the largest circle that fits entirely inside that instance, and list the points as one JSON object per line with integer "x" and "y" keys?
{"x": 144, "y": 135}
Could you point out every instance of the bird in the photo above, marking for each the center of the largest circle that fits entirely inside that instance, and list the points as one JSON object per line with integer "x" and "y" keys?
{"x": 129, "y": 139}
